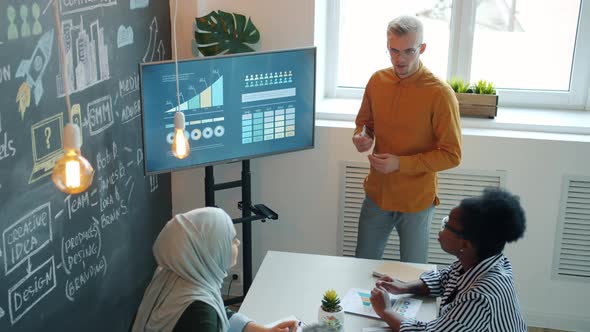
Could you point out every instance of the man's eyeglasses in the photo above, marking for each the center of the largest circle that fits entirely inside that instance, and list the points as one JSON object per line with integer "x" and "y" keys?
{"x": 407, "y": 53}
{"x": 445, "y": 224}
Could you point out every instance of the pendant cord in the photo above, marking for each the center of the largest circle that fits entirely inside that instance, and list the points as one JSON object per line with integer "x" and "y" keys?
{"x": 176, "y": 55}
{"x": 62, "y": 56}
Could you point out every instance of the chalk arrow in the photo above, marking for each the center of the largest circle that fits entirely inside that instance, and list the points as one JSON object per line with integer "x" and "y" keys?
{"x": 1, "y": 312}
{"x": 161, "y": 51}
{"x": 149, "y": 53}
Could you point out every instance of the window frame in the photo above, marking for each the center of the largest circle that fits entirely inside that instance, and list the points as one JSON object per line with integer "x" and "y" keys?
{"x": 459, "y": 61}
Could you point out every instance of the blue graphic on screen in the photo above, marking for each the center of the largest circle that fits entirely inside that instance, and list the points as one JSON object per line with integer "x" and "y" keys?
{"x": 236, "y": 107}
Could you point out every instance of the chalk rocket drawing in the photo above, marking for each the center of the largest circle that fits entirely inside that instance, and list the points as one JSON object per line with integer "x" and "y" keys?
{"x": 33, "y": 68}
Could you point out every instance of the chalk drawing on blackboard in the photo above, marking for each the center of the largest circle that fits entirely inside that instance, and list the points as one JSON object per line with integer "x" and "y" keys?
{"x": 25, "y": 28}
{"x": 135, "y": 4}
{"x": 49, "y": 3}
{"x": 21, "y": 299}
{"x": 5, "y": 73}
{"x": 124, "y": 36}
{"x": 81, "y": 248}
{"x": 1, "y": 312}
{"x": 100, "y": 115}
{"x": 37, "y": 28}
{"x": 150, "y": 52}
{"x": 12, "y": 32}
{"x": 33, "y": 68}
{"x": 77, "y": 119}
{"x": 26, "y": 237}
{"x": 23, "y": 98}
{"x": 46, "y": 144}
{"x": 153, "y": 183}
{"x": 87, "y": 56}
{"x": 70, "y": 7}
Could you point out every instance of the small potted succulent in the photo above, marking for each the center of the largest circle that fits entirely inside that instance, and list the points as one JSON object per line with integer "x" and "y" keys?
{"x": 331, "y": 312}
{"x": 478, "y": 99}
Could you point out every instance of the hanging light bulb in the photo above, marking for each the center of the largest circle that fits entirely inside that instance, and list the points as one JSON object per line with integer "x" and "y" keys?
{"x": 72, "y": 173}
{"x": 180, "y": 146}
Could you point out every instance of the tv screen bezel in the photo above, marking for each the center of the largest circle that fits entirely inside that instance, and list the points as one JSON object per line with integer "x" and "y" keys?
{"x": 228, "y": 160}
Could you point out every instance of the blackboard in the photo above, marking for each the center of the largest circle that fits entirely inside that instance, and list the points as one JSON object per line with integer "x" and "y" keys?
{"x": 77, "y": 262}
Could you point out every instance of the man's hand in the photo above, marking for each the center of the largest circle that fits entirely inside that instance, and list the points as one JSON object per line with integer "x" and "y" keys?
{"x": 362, "y": 143}
{"x": 394, "y": 286}
{"x": 380, "y": 301}
{"x": 384, "y": 162}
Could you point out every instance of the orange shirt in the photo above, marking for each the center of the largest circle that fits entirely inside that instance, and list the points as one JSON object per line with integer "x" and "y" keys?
{"x": 416, "y": 118}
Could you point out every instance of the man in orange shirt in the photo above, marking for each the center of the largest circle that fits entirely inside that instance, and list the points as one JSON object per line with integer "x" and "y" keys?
{"x": 413, "y": 118}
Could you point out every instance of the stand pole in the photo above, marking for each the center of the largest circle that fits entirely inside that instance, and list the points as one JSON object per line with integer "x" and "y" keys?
{"x": 245, "y": 183}
{"x": 247, "y": 226}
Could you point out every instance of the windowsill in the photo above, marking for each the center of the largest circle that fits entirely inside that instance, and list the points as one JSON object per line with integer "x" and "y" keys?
{"x": 529, "y": 123}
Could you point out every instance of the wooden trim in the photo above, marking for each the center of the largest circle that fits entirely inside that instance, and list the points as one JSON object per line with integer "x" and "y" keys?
{"x": 471, "y": 104}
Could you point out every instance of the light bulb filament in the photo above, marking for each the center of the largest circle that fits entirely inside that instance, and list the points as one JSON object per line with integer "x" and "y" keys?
{"x": 72, "y": 174}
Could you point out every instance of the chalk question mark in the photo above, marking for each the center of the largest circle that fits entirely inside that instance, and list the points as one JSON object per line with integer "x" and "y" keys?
{"x": 47, "y": 136}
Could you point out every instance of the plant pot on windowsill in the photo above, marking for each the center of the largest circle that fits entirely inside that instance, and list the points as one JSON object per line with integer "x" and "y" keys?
{"x": 471, "y": 104}
{"x": 479, "y": 99}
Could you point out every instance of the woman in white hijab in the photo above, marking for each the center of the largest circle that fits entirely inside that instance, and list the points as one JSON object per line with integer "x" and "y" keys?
{"x": 194, "y": 251}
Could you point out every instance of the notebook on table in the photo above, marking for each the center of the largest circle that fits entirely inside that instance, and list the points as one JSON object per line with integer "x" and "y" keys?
{"x": 398, "y": 270}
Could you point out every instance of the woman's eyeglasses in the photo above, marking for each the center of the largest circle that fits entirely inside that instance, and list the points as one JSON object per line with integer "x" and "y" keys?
{"x": 445, "y": 224}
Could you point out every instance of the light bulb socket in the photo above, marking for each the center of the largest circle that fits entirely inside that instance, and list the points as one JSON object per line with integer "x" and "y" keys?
{"x": 179, "y": 122}
{"x": 72, "y": 139}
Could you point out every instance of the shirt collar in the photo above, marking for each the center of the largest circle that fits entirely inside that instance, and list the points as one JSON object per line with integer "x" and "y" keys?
{"x": 468, "y": 278}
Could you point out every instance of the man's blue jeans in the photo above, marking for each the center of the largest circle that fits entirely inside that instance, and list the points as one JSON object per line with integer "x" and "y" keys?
{"x": 375, "y": 226}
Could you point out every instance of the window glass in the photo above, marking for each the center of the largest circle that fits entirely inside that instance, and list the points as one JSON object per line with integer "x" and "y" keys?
{"x": 525, "y": 44}
{"x": 362, "y": 43}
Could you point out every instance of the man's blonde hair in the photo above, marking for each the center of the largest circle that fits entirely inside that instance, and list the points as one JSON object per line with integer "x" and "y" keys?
{"x": 402, "y": 25}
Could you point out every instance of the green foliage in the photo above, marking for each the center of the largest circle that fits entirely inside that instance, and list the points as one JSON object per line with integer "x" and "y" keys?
{"x": 484, "y": 88}
{"x": 331, "y": 302}
{"x": 220, "y": 32}
{"x": 459, "y": 85}
{"x": 481, "y": 87}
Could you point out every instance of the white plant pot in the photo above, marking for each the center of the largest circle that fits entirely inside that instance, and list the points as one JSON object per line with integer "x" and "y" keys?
{"x": 334, "y": 319}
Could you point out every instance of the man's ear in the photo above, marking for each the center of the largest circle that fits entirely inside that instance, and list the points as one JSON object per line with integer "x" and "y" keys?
{"x": 422, "y": 48}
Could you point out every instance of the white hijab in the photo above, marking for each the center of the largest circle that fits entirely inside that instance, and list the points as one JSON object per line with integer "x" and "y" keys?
{"x": 193, "y": 253}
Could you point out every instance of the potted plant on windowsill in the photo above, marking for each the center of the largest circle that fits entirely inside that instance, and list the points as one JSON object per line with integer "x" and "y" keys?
{"x": 479, "y": 99}
{"x": 331, "y": 312}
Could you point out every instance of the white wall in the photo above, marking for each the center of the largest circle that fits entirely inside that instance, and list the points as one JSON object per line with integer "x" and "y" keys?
{"x": 304, "y": 187}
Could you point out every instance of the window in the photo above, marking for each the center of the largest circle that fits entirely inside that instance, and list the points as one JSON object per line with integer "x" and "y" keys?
{"x": 535, "y": 57}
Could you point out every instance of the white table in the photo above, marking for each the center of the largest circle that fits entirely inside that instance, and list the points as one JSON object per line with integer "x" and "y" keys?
{"x": 293, "y": 284}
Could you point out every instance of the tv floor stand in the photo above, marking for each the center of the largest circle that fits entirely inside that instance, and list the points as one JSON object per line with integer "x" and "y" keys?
{"x": 250, "y": 213}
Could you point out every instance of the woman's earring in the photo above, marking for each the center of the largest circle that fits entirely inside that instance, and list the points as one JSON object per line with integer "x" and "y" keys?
{"x": 461, "y": 250}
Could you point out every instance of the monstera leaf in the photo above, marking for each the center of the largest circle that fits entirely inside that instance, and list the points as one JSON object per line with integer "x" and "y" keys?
{"x": 224, "y": 33}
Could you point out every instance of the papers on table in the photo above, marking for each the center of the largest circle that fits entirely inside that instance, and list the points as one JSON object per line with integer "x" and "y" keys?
{"x": 357, "y": 301}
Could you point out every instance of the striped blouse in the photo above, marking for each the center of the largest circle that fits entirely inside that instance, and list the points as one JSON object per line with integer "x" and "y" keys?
{"x": 481, "y": 299}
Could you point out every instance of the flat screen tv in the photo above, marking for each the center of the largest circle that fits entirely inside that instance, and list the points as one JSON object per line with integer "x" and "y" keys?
{"x": 237, "y": 107}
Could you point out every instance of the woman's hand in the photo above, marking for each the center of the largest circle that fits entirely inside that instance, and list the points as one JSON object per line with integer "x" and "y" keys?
{"x": 394, "y": 286}
{"x": 287, "y": 326}
{"x": 380, "y": 300}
